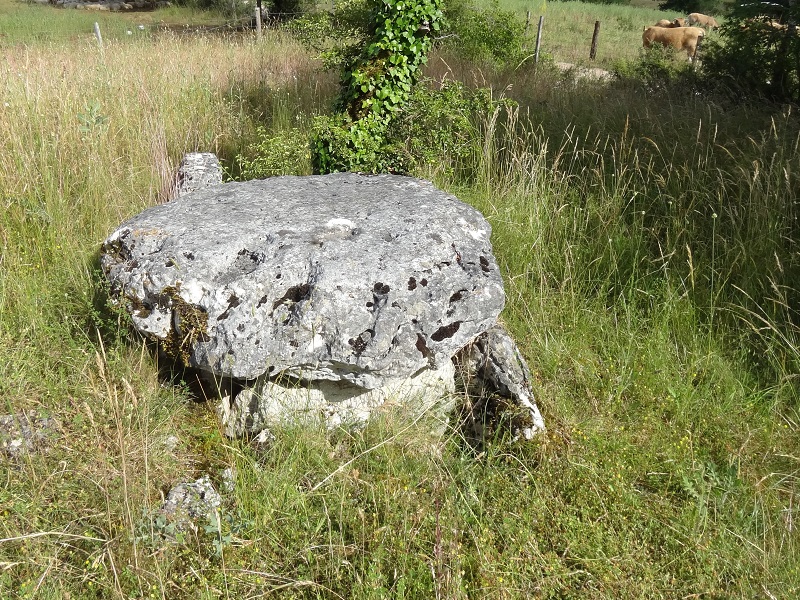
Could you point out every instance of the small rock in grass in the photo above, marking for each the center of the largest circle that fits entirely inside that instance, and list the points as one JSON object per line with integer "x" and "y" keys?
{"x": 23, "y": 433}
{"x": 190, "y": 502}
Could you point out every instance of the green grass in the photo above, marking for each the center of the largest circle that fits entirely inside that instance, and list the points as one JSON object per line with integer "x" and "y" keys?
{"x": 650, "y": 254}
{"x": 23, "y": 22}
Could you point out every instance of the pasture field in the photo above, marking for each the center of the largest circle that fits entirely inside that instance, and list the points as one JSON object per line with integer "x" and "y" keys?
{"x": 649, "y": 244}
{"x": 568, "y": 28}
{"x": 23, "y": 22}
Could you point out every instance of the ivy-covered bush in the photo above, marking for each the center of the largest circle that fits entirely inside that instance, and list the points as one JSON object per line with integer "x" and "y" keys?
{"x": 375, "y": 85}
{"x": 488, "y": 34}
{"x": 383, "y": 121}
{"x": 437, "y": 132}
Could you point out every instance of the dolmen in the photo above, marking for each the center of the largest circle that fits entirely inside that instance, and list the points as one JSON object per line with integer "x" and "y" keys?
{"x": 324, "y": 299}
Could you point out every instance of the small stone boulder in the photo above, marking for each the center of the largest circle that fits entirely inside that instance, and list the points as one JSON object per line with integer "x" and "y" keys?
{"x": 496, "y": 382}
{"x": 187, "y": 503}
{"x": 25, "y": 433}
{"x": 197, "y": 170}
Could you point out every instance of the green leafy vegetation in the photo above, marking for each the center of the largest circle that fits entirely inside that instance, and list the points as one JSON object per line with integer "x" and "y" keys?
{"x": 657, "y": 67}
{"x": 375, "y": 87}
{"x": 647, "y": 233}
{"x": 284, "y": 153}
{"x": 707, "y": 7}
{"x": 484, "y": 34}
{"x": 758, "y": 53}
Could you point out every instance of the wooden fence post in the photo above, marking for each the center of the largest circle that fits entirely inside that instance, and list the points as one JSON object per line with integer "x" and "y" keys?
{"x": 527, "y": 20}
{"x": 593, "y": 51}
{"x": 258, "y": 20}
{"x": 538, "y": 40}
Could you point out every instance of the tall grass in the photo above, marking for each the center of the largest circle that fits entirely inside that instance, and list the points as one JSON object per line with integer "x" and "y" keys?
{"x": 695, "y": 194}
{"x": 662, "y": 341}
{"x": 86, "y": 141}
{"x": 651, "y": 250}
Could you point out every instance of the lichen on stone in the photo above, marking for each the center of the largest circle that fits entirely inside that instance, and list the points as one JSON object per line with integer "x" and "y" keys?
{"x": 189, "y": 325}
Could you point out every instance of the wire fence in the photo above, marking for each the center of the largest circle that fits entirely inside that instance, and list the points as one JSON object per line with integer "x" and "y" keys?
{"x": 243, "y": 23}
{"x": 238, "y": 24}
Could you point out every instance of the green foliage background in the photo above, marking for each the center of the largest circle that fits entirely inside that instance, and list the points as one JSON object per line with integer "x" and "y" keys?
{"x": 484, "y": 34}
{"x": 753, "y": 57}
{"x": 706, "y": 7}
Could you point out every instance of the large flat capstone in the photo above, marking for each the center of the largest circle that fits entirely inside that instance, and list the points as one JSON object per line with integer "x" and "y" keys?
{"x": 367, "y": 280}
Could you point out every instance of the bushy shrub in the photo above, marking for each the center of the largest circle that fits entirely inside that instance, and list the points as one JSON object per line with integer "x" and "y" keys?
{"x": 385, "y": 122}
{"x": 438, "y": 130}
{"x": 275, "y": 153}
{"x": 758, "y": 53}
{"x": 656, "y": 68}
{"x": 483, "y": 34}
{"x": 339, "y": 144}
{"x": 491, "y": 34}
{"x": 375, "y": 86}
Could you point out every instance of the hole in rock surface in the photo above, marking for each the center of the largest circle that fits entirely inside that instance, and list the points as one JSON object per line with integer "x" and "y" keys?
{"x": 446, "y": 331}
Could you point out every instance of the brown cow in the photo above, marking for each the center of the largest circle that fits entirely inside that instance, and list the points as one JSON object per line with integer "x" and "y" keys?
{"x": 766, "y": 28}
{"x": 679, "y": 23}
{"x": 782, "y": 27}
{"x": 701, "y": 20}
{"x": 680, "y": 38}
{"x": 664, "y": 23}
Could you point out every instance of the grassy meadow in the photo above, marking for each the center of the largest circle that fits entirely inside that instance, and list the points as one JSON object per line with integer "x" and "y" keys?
{"x": 650, "y": 251}
{"x": 24, "y": 23}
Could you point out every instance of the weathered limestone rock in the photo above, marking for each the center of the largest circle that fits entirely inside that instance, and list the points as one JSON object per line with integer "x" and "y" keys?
{"x": 269, "y": 402}
{"x": 228, "y": 479}
{"x": 325, "y": 296}
{"x": 187, "y": 503}
{"x": 197, "y": 170}
{"x": 23, "y": 433}
{"x": 496, "y": 380}
{"x": 338, "y": 277}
